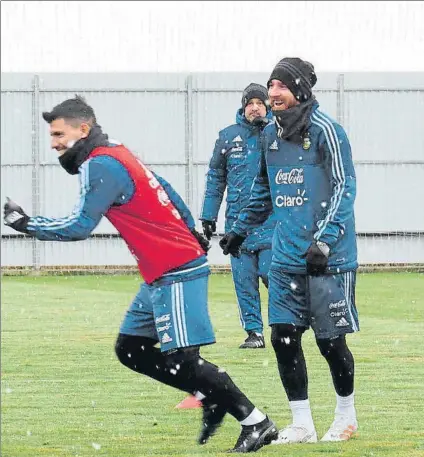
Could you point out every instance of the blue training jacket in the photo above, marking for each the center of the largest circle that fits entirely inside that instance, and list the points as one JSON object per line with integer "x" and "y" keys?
{"x": 104, "y": 182}
{"x": 312, "y": 193}
{"x": 234, "y": 165}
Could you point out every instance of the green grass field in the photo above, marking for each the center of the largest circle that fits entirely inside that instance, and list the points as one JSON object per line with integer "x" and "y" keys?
{"x": 65, "y": 394}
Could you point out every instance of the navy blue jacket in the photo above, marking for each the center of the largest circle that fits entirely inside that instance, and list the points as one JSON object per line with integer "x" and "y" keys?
{"x": 234, "y": 165}
{"x": 312, "y": 193}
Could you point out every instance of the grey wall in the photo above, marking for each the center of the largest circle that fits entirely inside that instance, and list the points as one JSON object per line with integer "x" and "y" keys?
{"x": 172, "y": 120}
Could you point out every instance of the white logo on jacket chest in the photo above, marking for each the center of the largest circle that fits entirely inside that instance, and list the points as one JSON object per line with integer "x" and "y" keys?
{"x": 283, "y": 201}
{"x": 274, "y": 146}
{"x": 294, "y": 176}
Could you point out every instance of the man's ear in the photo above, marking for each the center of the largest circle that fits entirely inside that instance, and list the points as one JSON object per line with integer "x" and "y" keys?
{"x": 85, "y": 129}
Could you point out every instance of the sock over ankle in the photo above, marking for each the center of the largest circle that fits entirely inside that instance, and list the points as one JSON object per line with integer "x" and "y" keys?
{"x": 253, "y": 418}
{"x": 199, "y": 395}
{"x": 346, "y": 405}
{"x": 302, "y": 415}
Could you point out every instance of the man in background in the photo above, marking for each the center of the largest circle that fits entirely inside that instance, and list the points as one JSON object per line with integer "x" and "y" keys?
{"x": 233, "y": 166}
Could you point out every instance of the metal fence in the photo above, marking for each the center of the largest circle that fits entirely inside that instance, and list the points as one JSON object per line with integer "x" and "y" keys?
{"x": 172, "y": 121}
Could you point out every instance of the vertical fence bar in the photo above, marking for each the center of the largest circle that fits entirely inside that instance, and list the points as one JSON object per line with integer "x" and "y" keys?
{"x": 340, "y": 99}
{"x": 189, "y": 143}
{"x": 35, "y": 187}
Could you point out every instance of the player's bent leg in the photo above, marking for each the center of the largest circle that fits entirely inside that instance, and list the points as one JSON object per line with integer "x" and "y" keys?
{"x": 139, "y": 354}
{"x": 183, "y": 363}
{"x": 222, "y": 396}
{"x": 341, "y": 363}
{"x": 183, "y": 324}
{"x": 286, "y": 340}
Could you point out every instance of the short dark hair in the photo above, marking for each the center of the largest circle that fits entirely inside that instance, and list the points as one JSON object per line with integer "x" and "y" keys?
{"x": 73, "y": 108}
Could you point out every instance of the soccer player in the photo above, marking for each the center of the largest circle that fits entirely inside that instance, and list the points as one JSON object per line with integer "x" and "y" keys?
{"x": 307, "y": 177}
{"x": 171, "y": 306}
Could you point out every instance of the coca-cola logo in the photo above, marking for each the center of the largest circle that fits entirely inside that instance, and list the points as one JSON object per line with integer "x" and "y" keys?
{"x": 294, "y": 176}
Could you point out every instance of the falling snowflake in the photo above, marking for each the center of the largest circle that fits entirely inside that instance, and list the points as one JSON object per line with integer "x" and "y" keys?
{"x": 221, "y": 370}
{"x": 201, "y": 362}
{"x": 293, "y": 286}
{"x": 265, "y": 363}
{"x": 286, "y": 339}
{"x": 172, "y": 371}
{"x": 96, "y": 446}
{"x": 323, "y": 204}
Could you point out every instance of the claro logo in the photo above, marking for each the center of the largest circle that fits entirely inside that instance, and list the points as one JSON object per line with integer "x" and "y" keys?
{"x": 288, "y": 200}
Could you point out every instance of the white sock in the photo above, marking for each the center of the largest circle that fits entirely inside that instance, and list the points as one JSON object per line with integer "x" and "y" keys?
{"x": 302, "y": 415}
{"x": 199, "y": 395}
{"x": 346, "y": 405}
{"x": 253, "y": 418}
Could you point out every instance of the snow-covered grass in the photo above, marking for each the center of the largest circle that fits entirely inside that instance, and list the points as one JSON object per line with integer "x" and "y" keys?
{"x": 65, "y": 394}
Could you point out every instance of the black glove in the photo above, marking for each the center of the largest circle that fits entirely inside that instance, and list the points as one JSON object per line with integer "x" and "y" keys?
{"x": 204, "y": 243}
{"x": 231, "y": 243}
{"x": 14, "y": 216}
{"x": 317, "y": 258}
{"x": 260, "y": 122}
{"x": 209, "y": 228}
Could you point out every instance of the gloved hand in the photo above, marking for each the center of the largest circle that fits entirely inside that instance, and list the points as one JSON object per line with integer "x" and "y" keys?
{"x": 231, "y": 243}
{"x": 209, "y": 228}
{"x": 260, "y": 122}
{"x": 15, "y": 216}
{"x": 317, "y": 258}
{"x": 204, "y": 243}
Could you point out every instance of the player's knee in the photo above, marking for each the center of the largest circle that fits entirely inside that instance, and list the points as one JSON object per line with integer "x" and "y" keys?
{"x": 286, "y": 340}
{"x": 282, "y": 332}
{"x": 183, "y": 358}
{"x": 128, "y": 345}
{"x": 334, "y": 347}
